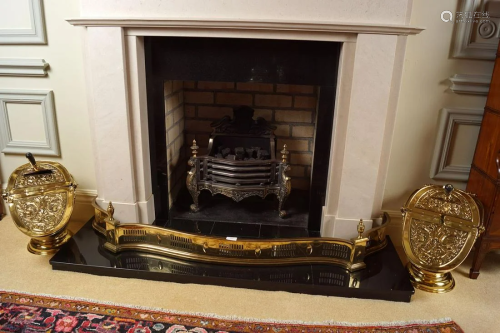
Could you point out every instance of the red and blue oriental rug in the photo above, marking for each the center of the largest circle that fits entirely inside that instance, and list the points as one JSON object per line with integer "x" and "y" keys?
{"x": 27, "y": 313}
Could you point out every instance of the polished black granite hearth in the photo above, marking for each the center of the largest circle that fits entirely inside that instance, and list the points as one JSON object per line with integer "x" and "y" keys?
{"x": 237, "y": 229}
{"x": 219, "y": 208}
{"x": 384, "y": 277}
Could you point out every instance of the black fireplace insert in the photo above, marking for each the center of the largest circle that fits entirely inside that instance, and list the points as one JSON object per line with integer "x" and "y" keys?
{"x": 291, "y": 62}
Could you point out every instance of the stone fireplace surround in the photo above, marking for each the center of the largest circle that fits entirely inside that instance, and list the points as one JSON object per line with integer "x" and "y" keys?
{"x": 373, "y": 34}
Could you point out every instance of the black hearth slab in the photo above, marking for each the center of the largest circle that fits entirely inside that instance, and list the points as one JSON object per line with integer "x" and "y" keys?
{"x": 270, "y": 231}
{"x": 191, "y": 226}
{"x": 291, "y": 232}
{"x": 313, "y": 233}
{"x": 219, "y": 208}
{"x": 274, "y": 231}
{"x": 240, "y": 230}
{"x": 384, "y": 277}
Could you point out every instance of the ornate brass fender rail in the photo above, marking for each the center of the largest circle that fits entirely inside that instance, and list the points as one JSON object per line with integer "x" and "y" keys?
{"x": 151, "y": 239}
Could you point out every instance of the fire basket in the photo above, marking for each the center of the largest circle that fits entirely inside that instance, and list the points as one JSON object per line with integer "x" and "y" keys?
{"x": 241, "y": 161}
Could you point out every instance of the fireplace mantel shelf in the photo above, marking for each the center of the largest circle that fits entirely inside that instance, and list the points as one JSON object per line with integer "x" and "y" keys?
{"x": 176, "y": 23}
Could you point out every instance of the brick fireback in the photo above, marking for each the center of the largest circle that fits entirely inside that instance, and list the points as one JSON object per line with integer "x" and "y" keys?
{"x": 291, "y": 108}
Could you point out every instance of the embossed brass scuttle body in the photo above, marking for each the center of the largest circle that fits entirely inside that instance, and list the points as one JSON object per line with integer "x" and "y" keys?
{"x": 440, "y": 226}
{"x": 40, "y": 196}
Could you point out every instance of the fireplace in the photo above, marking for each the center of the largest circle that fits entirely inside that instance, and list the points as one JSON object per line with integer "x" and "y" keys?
{"x": 143, "y": 67}
{"x": 192, "y": 82}
{"x": 371, "y": 43}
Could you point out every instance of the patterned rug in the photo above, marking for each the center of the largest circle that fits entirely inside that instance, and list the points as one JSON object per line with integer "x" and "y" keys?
{"x": 21, "y": 312}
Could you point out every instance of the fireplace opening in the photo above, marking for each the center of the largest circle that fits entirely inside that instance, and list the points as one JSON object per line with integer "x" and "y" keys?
{"x": 195, "y": 83}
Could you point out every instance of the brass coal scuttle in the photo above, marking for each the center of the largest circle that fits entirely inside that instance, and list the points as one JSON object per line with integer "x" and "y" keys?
{"x": 440, "y": 226}
{"x": 41, "y": 196}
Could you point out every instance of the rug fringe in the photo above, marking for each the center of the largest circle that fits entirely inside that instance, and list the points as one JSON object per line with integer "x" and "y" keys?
{"x": 243, "y": 319}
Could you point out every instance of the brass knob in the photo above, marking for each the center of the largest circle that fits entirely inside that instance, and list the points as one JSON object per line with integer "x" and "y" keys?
{"x": 284, "y": 154}
{"x": 361, "y": 229}
{"x": 194, "y": 148}
{"x": 111, "y": 211}
{"x": 448, "y": 188}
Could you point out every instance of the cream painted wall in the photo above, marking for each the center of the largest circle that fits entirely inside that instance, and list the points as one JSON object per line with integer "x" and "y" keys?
{"x": 26, "y": 122}
{"x": 21, "y": 19}
{"x": 424, "y": 91}
{"x": 64, "y": 53}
